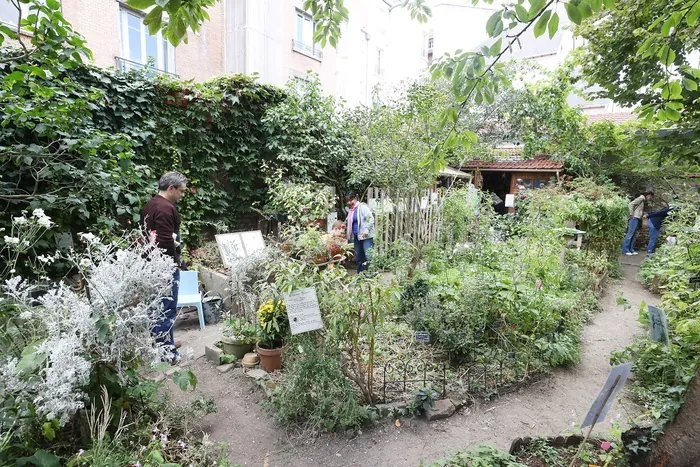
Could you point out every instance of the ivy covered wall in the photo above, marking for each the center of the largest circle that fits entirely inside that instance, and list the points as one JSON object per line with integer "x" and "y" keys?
{"x": 89, "y": 146}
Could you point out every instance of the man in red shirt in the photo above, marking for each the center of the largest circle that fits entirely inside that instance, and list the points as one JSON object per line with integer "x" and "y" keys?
{"x": 161, "y": 223}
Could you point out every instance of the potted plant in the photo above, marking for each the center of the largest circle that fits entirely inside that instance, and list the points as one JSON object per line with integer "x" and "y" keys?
{"x": 274, "y": 326}
{"x": 239, "y": 337}
{"x": 310, "y": 245}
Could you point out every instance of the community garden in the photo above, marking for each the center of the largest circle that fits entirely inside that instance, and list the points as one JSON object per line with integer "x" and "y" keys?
{"x": 459, "y": 304}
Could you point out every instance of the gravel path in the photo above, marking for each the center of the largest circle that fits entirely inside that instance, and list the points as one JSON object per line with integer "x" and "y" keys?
{"x": 547, "y": 407}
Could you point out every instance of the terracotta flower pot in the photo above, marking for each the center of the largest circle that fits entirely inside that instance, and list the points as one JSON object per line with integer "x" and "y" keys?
{"x": 270, "y": 359}
{"x": 250, "y": 360}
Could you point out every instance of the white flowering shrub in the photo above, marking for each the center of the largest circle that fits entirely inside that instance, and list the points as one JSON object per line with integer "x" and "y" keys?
{"x": 77, "y": 336}
{"x": 25, "y": 232}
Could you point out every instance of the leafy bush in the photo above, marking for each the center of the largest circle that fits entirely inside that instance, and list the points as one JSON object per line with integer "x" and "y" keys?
{"x": 302, "y": 203}
{"x": 314, "y": 393}
{"x": 423, "y": 399}
{"x": 479, "y": 456}
{"x": 524, "y": 295}
{"x": 598, "y": 209}
{"x": 413, "y": 295}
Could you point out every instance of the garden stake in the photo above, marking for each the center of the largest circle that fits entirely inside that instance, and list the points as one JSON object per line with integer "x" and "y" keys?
{"x": 595, "y": 420}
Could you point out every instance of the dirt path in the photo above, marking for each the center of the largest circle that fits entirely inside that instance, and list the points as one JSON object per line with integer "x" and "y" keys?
{"x": 547, "y": 407}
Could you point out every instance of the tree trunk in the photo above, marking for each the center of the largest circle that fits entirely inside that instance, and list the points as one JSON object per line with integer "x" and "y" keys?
{"x": 679, "y": 445}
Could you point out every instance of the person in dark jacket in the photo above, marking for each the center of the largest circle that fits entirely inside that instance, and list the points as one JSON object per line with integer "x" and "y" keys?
{"x": 654, "y": 221}
{"x": 161, "y": 223}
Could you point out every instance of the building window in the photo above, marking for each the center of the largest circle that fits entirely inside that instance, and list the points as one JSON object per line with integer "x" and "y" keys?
{"x": 428, "y": 43}
{"x": 379, "y": 66}
{"x": 139, "y": 48}
{"x": 9, "y": 13}
{"x": 304, "y": 42}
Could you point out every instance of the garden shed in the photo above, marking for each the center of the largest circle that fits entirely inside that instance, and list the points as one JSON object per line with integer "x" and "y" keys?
{"x": 499, "y": 175}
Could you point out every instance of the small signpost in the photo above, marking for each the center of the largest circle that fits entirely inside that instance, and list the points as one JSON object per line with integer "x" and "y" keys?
{"x": 239, "y": 245}
{"x": 613, "y": 385}
{"x": 303, "y": 311}
{"x": 658, "y": 327}
{"x": 423, "y": 336}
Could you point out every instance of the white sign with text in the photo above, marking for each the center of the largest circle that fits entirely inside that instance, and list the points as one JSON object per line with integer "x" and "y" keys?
{"x": 239, "y": 245}
{"x": 303, "y": 311}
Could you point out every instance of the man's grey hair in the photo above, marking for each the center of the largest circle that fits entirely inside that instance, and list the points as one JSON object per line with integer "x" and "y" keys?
{"x": 171, "y": 178}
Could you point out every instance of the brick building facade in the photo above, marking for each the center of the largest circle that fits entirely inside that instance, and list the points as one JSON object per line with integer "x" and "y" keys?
{"x": 107, "y": 25}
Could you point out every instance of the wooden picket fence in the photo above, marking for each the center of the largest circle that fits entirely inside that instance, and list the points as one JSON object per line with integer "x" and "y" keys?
{"x": 414, "y": 218}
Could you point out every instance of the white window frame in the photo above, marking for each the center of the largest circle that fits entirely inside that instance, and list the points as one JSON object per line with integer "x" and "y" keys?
{"x": 13, "y": 22}
{"x": 379, "y": 66}
{"x": 160, "y": 64}
{"x": 313, "y": 50}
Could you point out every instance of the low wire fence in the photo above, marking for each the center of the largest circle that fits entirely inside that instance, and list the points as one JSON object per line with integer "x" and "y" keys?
{"x": 481, "y": 377}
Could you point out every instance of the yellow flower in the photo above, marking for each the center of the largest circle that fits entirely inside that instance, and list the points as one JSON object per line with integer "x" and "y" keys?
{"x": 266, "y": 312}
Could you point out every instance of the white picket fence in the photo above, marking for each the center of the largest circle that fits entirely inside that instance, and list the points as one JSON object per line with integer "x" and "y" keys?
{"x": 415, "y": 218}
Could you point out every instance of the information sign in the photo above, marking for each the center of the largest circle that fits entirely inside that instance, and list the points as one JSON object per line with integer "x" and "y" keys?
{"x": 613, "y": 385}
{"x": 303, "y": 311}
{"x": 422, "y": 336}
{"x": 658, "y": 326}
{"x": 239, "y": 245}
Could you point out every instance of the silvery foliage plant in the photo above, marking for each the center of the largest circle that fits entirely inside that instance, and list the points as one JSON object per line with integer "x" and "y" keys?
{"x": 244, "y": 273}
{"x": 109, "y": 322}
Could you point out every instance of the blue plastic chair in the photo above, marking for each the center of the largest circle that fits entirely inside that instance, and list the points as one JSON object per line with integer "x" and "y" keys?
{"x": 189, "y": 293}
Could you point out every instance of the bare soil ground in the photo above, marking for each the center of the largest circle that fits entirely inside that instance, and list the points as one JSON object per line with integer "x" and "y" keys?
{"x": 547, "y": 407}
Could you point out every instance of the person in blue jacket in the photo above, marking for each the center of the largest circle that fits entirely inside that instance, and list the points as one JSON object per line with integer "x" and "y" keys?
{"x": 654, "y": 221}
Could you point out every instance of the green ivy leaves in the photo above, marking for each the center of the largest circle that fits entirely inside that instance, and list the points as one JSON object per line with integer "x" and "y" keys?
{"x": 181, "y": 17}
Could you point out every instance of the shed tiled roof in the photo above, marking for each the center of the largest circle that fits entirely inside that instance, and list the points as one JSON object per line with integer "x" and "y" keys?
{"x": 509, "y": 162}
{"x": 615, "y": 117}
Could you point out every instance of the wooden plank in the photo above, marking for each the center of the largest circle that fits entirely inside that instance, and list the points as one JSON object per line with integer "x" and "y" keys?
{"x": 387, "y": 221}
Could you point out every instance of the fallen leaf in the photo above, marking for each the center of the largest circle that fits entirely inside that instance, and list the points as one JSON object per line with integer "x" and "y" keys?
{"x": 397, "y": 423}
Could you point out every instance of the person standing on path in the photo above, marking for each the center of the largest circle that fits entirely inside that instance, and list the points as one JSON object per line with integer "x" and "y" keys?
{"x": 654, "y": 221}
{"x": 161, "y": 223}
{"x": 636, "y": 207}
{"x": 360, "y": 230}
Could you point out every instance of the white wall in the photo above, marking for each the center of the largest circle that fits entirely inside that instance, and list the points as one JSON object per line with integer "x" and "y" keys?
{"x": 371, "y": 27}
{"x": 254, "y": 39}
{"x": 457, "y": 25}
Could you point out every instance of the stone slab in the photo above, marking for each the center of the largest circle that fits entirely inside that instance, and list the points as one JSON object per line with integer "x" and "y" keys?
{"x": 257, "y": 374}
{"x": 444, "y": 408}
{"x": 225, "y": 368}
{"x": 213, "y": 353}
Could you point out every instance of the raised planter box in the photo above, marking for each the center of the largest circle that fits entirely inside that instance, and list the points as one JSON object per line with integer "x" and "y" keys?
{"x": 217, "y": 283}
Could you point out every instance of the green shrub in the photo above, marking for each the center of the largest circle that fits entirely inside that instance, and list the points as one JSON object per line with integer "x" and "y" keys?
{"x": 314, "y": 393}
{"x": 479, "y": 456}
{"x": 662, "y": 373}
